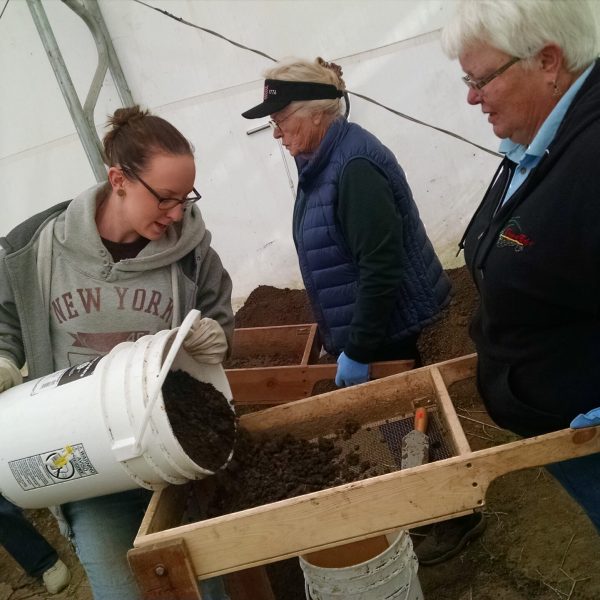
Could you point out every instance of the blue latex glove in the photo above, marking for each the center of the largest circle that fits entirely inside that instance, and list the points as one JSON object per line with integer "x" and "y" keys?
{"x": 590, "y": 419}
{"x": 350, "y": 372}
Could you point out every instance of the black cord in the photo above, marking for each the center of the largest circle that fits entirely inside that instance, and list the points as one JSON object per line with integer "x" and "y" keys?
{"x": 347, "y": 101}
{"x": 440, "y": 129}
{"x": 168, "y": 14}
{"x": 4, "y": 8}
{"x": 367, "y": 98}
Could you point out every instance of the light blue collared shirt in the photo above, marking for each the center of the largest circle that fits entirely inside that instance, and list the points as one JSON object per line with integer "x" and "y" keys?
{"x": 527, "y": 157}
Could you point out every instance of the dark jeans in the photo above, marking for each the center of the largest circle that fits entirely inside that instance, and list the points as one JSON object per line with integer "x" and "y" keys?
{"x": 22, "y": 541}
{"x": 581, "y": 478}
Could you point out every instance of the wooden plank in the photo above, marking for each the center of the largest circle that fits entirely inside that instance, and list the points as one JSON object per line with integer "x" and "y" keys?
{"x": 458, "y": 369}
{"x": 448, "y": 415}
{"x": 377, "y": 370}
{"x": 249, "y": 584}
{"x": 365, "y": 403}
{"x": 281, "y": 339}
{"x": 171, "y": 500}
{"x": 277, "y": 385}
{"x": 367, "y": 508}
{"x": 164, "y": 572}
{"x": 268, "y": 385}
{"x": 313, "y": 346}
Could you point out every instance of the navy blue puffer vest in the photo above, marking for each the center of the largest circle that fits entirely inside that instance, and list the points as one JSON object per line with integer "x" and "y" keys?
{"x": 329, "y": 273}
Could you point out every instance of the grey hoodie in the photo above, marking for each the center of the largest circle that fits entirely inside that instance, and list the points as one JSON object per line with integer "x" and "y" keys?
{"x": 63, "y": 300}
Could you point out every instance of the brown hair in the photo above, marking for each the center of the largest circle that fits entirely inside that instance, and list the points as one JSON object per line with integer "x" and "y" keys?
{"x": 136, "y": 136}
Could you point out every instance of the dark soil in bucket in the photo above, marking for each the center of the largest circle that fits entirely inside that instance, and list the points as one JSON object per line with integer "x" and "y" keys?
{"x": 201, "y": 419}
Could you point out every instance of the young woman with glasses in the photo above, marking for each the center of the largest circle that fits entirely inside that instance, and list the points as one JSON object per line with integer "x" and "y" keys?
{"x": 126, "y": 258}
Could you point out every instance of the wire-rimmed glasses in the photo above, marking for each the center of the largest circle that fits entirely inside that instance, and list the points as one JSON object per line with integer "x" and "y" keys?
{"x": 277, "y": 124}
{"x": 478, "y": 84}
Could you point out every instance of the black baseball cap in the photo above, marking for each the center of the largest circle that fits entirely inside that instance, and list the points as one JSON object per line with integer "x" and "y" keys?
{"x": 278, "y": 94}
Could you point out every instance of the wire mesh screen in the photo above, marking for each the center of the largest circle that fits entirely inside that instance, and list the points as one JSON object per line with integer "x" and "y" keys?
{"x": 376, "y": 448}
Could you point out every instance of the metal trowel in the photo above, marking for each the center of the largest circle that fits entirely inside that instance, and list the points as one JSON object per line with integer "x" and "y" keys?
{"x": 415, "y": 445}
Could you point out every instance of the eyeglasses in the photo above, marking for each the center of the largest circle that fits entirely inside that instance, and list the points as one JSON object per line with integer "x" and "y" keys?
{"x": 165, "y": 203}
{"x": 277, "y": 124}
{"x": 478, "y": 84}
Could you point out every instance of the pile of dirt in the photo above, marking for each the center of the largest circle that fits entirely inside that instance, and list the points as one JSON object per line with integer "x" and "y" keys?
{"x": 446, "y": 338}
{"x": 449, "y": 336}
{"x": 201, "y": 419}
{"x": 267, "y": 306}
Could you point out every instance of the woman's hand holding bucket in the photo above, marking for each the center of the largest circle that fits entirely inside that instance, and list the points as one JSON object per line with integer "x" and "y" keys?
{"x": 206, "y": 341}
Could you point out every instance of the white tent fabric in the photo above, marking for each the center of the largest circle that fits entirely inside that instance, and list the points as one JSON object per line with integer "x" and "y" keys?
{"x": 389, "y": 51}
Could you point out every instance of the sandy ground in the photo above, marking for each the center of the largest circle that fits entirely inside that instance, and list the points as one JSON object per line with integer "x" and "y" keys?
{"x": 538, "y": 544}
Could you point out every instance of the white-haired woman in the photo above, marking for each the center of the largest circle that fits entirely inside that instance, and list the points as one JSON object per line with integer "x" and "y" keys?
{"x": 370, "y": 272}
{"x": 533, "y": 245}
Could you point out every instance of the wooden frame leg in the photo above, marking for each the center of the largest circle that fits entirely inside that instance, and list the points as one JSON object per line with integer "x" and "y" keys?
{"x": 164, "y": 572}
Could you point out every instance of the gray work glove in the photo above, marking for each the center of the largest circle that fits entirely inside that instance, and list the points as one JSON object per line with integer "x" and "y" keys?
{"x": 9, "y": 374}
{"x": 206, "y": 341}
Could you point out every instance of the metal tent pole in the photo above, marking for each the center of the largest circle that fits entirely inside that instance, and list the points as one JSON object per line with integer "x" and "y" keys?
{"x": 83, "y": 117}
{"x": 89, "y": 139}
{"x": 89, "y": 11}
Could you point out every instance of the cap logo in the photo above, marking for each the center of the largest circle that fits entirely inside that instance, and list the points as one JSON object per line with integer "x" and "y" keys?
{"x": 268, "y": 92}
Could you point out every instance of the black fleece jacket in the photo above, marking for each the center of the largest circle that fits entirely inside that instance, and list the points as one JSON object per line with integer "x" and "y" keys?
{"x": 536, "y": 264}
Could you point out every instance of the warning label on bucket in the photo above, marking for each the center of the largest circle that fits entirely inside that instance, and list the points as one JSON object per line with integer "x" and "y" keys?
{"x": 66, "y": 376}
{"x": 54, "y": 466}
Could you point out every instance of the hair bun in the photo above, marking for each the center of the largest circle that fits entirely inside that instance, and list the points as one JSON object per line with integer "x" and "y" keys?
{"x": 124, "y": 116}
{"x": 333, "y": 67}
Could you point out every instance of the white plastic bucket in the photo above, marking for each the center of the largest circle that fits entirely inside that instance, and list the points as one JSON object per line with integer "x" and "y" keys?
{"x": 391, "y": 575}
{"x": 75, "y": 433}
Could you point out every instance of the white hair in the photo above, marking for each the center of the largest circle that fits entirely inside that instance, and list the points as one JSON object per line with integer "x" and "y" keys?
{"x": 317, "y": 71}
{"x": 523, "y": 27}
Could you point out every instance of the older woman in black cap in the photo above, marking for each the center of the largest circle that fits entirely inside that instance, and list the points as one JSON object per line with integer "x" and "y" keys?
{"x": 369, "y": 269}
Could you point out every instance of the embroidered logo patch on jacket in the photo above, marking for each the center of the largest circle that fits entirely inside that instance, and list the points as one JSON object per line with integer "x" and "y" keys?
{"x": 512, "y": 236}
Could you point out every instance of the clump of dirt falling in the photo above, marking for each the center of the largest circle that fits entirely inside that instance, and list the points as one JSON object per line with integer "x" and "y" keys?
{"x": 266, "y": 469}
{"x": 201, "y": 419}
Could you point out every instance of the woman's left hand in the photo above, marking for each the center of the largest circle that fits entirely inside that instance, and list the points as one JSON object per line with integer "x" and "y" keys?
{"x": 206, "y": 341}
{"x": 350, "y": 372}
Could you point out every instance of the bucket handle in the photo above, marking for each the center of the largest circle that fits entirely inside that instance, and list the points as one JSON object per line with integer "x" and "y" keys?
{"x": 132, "y": 447}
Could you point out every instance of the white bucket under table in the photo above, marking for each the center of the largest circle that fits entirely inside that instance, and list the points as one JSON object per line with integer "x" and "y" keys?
{"x": 391, "y": 575}
{"x": 92, "y": 430}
